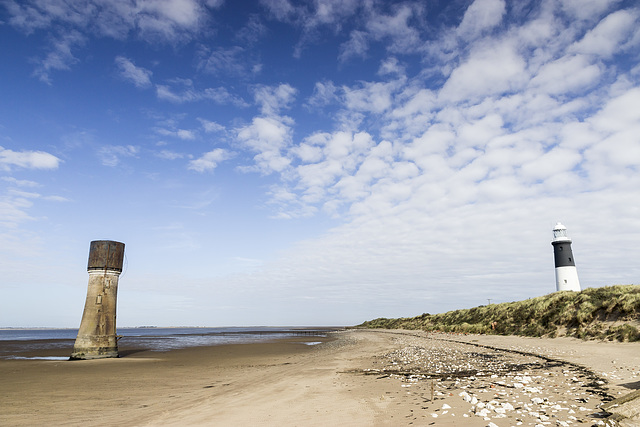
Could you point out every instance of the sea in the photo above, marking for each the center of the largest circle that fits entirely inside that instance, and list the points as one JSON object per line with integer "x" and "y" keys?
{"x": 18, "y": 343}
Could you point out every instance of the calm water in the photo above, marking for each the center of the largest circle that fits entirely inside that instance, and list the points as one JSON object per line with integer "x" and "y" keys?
{"x": 14, "y": 343}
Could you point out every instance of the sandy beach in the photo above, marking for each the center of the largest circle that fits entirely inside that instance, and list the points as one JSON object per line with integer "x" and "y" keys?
{"x": 352, "y": 378}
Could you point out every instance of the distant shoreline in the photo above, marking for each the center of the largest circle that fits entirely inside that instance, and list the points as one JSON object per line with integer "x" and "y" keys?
{"x": 249, "y": 328}
{"x": 28, "y": 342}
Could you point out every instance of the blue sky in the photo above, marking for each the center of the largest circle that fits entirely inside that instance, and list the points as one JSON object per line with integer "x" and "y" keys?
{"x": 313, "y": 163}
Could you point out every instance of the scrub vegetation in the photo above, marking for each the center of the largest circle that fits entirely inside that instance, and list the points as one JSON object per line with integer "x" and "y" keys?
{"x": 608, "y": 313}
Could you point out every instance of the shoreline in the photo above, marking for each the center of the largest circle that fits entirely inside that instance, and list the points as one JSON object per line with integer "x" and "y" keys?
{"x": 353, "y": 377}
{"x": 53, "y": 344}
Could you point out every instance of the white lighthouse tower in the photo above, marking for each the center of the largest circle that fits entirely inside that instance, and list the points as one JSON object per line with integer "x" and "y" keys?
{"x": 566, "y": 272}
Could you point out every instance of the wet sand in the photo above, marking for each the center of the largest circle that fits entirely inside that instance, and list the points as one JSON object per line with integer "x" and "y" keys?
{"x": 353, "y": 378}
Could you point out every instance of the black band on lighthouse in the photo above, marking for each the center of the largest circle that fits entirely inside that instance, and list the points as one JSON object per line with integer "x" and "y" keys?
{"x": 562, "y": 254}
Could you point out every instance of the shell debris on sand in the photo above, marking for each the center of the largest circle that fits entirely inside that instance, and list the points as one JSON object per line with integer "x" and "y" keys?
{"x": 493, "y": 386}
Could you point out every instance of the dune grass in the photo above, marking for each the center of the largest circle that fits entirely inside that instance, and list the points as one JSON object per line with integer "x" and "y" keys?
{"x": 606, "y": 313}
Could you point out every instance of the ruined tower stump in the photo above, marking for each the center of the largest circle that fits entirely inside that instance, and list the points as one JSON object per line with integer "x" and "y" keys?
{"x": 97, "y": 334}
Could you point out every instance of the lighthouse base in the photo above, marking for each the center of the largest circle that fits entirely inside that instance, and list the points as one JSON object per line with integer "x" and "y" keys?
{"x": 567, "y": 279}
{"x": 95, "y": 347}
{"x": 93, "y": 353}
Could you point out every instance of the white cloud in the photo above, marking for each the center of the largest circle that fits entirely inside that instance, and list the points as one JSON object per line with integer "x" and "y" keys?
{"x": 165, "y": 92}
{"x": 58, "y": 199}
{"x": 371, "y": 97}
{"x": 166, "y": 18}
{"x": 30, "y": 16}
{"x": 15, "y": 205}
{"x": 567, "y": 74}
{"x": 214, "y": 3}
{"x": 578, "y": 135}
{"x": 543, "y": 29}
{"x": 182, "y": 90}
{"x": 620, "y": 113}
{"x": 500, "y": 128}
{"x": 609, "y": 35}
{"x": 413, "y": 109}
{"x": 377, "y": 164}
{"x": 24, "y": 194}
{"x": 170, "y": 155}
{"x": 60, "y": 56}
{"x": 269, "y": 137}
{"x": 479, "y": 132}
{"x": 330, "y": 12}
{"x": 490, "y": 71}
{"x": 307, "y": 153}
{"x": 356, "y": 46}
{"x": 139, "y": 76}
{"x": 210, "y": 126}
{"x": 391, "y": 66}
{"x": 403, "y": 37}
{"x": 617, "y": 149}
{"x": 253, "y": 31}
{"x": 480, "y": 16}
{"x": 313, "y": 17}
{"x": 27, "y": 159}
{"x": 551, "y": 163}
{"x": 209, "y": 161}
{"x": 620, "y": 151}
{"x": 20, "y": 182}
{"x": 324, "y": 93}
{"x": 110, "y": 155}
{"x": 183, "y": 134}
{"x": 234, "y": 61}
{"x": 312, "y": 14}
{"x": 168, "y": 21}
{"x": 272, "y": 99}
{"x": 13, "y": 210}
{"x": 222, "y": 96}
{"x": 281, "y": 9}
{"x": 184, "y": 13}
{"x": 328, "y": 160}
{"x": 426, "y": 148}
{"x": 587, "y": 9}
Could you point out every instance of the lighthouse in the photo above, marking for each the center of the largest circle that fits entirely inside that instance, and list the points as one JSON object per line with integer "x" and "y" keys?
{"x": 566, "y": 272}
{"x": 97, "y": 334}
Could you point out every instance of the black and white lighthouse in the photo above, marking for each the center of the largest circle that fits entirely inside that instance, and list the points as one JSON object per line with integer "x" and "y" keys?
{"x": 566, "y": 272}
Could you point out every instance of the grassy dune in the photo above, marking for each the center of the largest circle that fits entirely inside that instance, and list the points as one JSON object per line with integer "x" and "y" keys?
{"x": 607, "y": 313}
